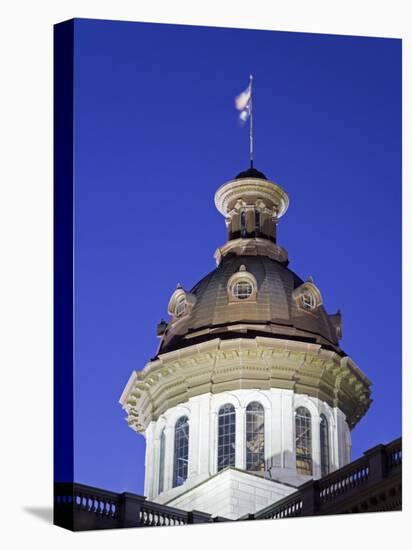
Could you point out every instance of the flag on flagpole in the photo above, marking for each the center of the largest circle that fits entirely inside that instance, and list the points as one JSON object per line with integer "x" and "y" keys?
{"x": 243, "y": 103}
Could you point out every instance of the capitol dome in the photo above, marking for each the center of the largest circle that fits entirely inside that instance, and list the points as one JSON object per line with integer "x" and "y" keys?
{"x": 251, "y": 292}
{"x": 248, "y": 387}
{"x": 275, "y": 306}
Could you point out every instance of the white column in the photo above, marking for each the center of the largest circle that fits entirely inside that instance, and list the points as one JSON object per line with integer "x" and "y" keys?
{"x": 288, "y": 430}
{"x": 148, "y": 485}
{"x": 240, "y": 458}
{"x": 169, "y": 457}
{"x": 276, "y": 437}
{"x": 204, "y": 425}
{"x": 213, "y": 442}
{"x": 316, "y": 446}
{"x": 155, "y": 461}
{"x": 340, "y": 440}
{"x": 268, "y": 433}
{"x": 348, "y": 444}
{"x": 334, "y": 442}
{"x": 194, "y": 420}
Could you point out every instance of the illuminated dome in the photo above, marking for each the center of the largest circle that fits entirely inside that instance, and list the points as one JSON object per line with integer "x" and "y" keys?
{"x": 276, "y": 307}
{"x": 249, "y": 394}
{"x": 280, "y": 304}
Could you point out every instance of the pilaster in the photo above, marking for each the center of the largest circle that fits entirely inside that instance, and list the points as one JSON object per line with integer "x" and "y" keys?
{"x": 194, "y": 443}
{"x": 204, "y": 429}
{"x": 149, "y": 463}
{"x": 169, "y": 454}
{"x": 213, "y": 435}
{"x": 316, "y": 446}
{"x": 275, "y": 451}
{"x": 240, "y": 457}
{"x": 288, "y": 430}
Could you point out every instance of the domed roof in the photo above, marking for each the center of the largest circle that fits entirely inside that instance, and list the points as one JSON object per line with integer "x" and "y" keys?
{"x": 274, "y": 310}
{"x": 251, "y": 173}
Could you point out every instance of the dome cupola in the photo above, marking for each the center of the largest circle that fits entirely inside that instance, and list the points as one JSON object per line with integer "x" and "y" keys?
{"x": 252, "y": 206}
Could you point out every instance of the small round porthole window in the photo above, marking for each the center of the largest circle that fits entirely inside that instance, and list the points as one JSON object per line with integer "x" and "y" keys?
{"x": 242, "y": 290}
{"x": 180, "y": 306}
{"x": 308, "y": 300}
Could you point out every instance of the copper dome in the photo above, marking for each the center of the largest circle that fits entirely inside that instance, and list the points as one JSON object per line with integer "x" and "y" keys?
{"x": 274, "y": 310}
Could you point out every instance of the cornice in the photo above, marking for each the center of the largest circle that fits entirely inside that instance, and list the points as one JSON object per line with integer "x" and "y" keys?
{"x": 227, "y": 195}
{"x": 223, "y": 365}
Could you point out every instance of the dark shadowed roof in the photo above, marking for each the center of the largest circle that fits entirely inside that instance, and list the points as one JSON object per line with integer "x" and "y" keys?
{"x": 251, "y": 173}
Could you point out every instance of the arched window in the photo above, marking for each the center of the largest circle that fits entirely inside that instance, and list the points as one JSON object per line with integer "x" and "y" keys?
{"x": 181, "y": 455}
{"x": 226, "y": 437}
{"x": 243, "y": 224}
{"x": 324, "y": 445}
{"x": 255, "y": 437}
{"x": 162, "y": 460}
{"x": 257, "y": 222}
{"x": 303, "y": 441}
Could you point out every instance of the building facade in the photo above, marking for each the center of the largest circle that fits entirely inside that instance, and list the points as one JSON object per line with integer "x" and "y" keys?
{"x": 249, "y": 395}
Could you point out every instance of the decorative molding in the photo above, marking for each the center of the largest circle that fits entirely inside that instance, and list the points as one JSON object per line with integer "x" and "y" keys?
{"x": 252, "y": 247}
{"x": 260, "y": 363}
{"x": 228, "y": 195}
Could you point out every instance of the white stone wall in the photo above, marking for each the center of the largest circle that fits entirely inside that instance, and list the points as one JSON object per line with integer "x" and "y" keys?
{"x": 279, "y": 406}
{"x": 232, "y": 494}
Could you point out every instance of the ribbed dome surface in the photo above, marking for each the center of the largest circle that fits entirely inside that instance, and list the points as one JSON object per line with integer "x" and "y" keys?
{"x": 275, "y": 311}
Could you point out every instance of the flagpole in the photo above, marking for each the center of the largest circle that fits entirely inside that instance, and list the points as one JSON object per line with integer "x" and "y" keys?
{"x": 251, "y": 122}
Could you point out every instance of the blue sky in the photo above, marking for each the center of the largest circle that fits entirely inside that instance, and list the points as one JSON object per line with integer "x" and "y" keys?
{"x": 157, "y": 133}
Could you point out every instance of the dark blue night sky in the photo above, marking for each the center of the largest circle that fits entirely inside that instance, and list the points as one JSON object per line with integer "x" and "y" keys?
{"x": 157, "y": 134}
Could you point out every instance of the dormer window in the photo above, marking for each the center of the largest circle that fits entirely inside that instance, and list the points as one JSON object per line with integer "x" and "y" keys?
{"x": 242, "y": 285}
{"x": 181, "y": 305}
{"x": 242, "y": 290}
{"x": 308, "y": 300}
{"x": 308, "y": 296}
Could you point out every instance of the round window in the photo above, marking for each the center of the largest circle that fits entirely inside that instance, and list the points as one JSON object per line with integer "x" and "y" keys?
{"x": 242, "y": 290}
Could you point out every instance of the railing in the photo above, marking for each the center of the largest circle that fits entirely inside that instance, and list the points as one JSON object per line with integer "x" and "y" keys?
{"x": 81, "y": 507}
{"x": 338, "y": 488}
{"x": 344, "y": 480}
{"x": 286, "y": 508}
{"x": 394, "y": 454}
{"x": 156, "y": 515}
{"x": 100, "y": 503}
